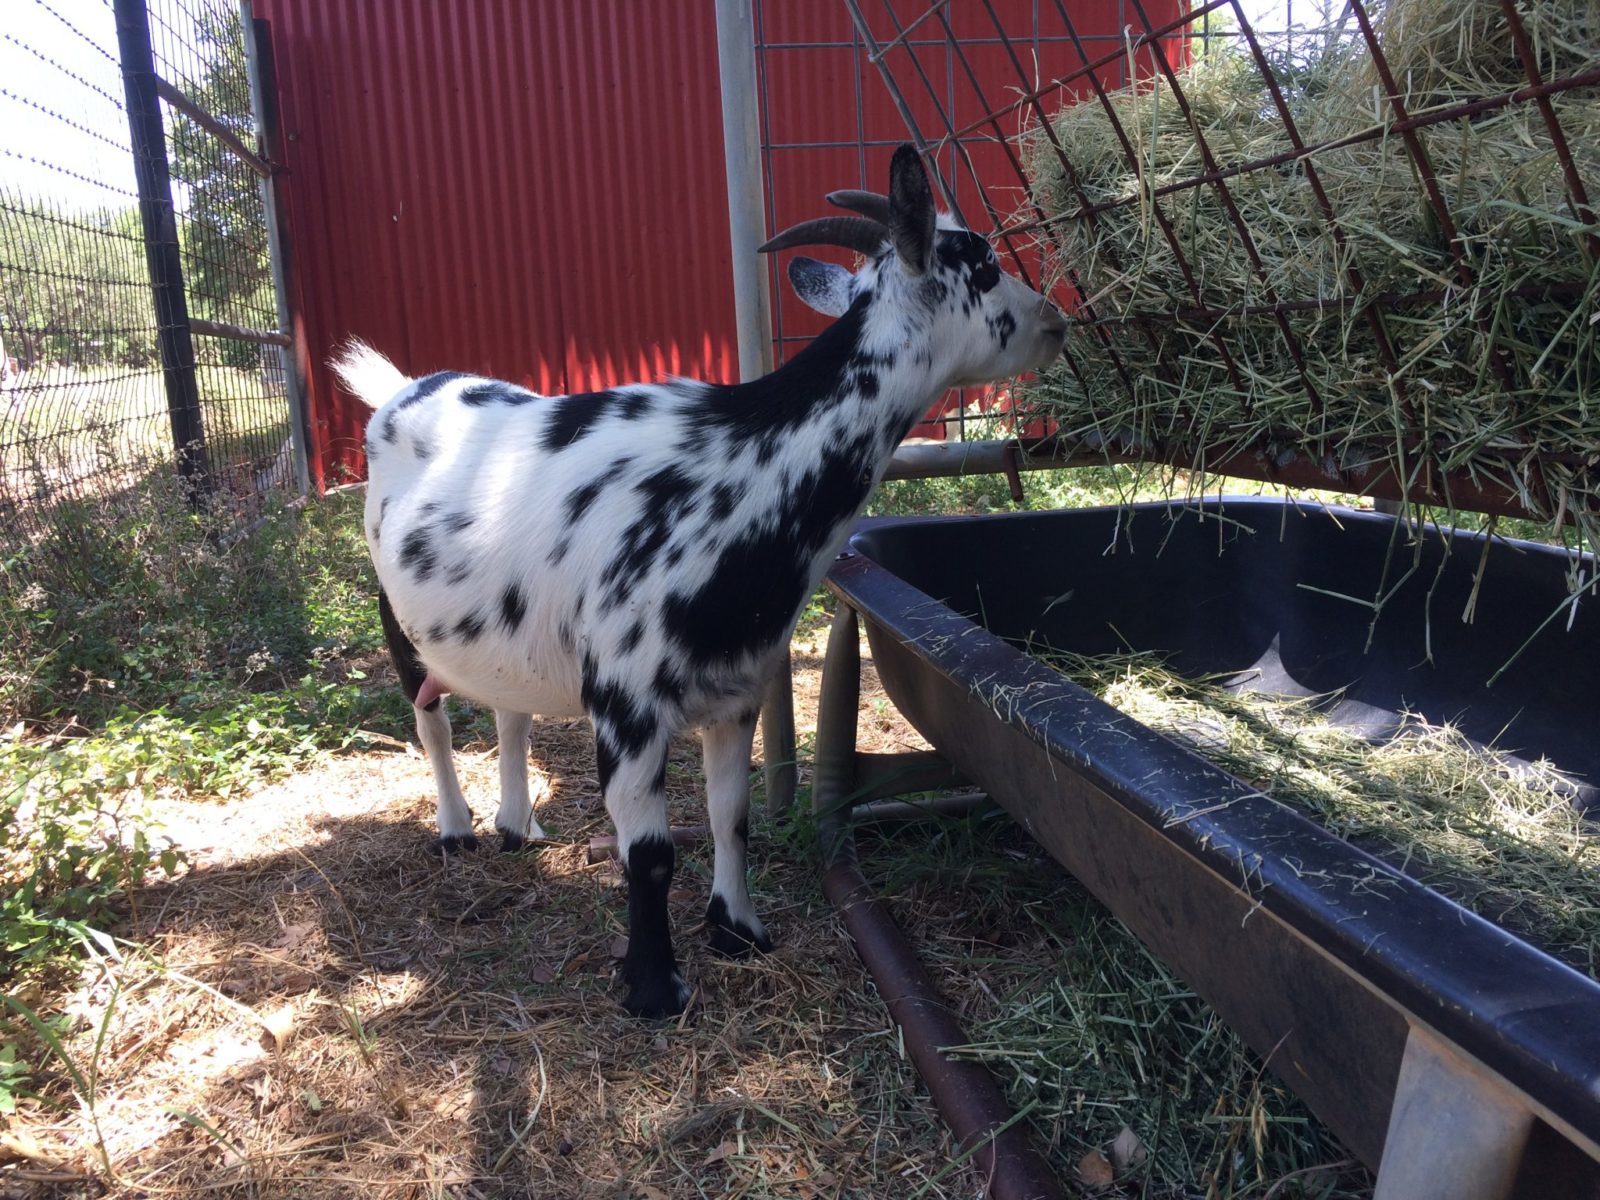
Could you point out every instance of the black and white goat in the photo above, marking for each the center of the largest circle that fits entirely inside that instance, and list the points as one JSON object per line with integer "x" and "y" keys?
{"x": 640, "y": 555}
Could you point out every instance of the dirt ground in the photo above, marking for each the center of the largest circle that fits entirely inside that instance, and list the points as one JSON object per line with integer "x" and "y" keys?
{"x": 330, "y": 1012}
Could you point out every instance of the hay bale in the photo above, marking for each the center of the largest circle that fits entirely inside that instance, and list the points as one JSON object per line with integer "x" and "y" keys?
{"x": 1495, "y": 374}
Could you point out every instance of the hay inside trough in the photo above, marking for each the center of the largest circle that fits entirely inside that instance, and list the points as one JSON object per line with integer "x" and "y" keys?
{"x": 1393, "y": 343}
{"x": 1498, "y": 835}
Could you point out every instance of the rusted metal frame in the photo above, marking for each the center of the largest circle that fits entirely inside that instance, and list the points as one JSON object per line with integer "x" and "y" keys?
{"x": 1027, "y": 188}
{"x": 966, "y": 1094}
{"x": 1430, "y": 185}
{"x": 904, "y": 109}
{"x": 1074, "y": 280}
{"x": 180, "y": 101}
{"x": 1469, "y": 108}
{"x": 242, "y": 333}
{"x": 1290, "y": 338}
{"x": 903, "y": 33}
{"x": 1092, "y": 65}
{"x": 933, "y": 95}
{"x": 1558, "y": 137}
{"x": 1557, "y": 289}
{"x": 1161, "y": 217}
{"x": 1374, "y": 316}
{"x": 923, "y": 148}
{"x": 953, "y": 45}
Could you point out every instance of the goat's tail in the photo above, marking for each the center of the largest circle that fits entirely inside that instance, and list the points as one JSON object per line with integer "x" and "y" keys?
{"x": 366, "y": 374}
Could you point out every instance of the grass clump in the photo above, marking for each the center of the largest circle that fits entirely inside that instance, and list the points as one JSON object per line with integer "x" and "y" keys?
{"x": 1489, "y": 367}
{"x": 1497, "y": 835}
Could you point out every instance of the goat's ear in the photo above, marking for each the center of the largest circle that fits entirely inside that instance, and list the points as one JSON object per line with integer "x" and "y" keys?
{"x": 822, "y": 286}
{"x": 912, "y": 223}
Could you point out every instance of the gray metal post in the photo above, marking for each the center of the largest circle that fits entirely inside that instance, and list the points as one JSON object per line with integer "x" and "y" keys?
{"x": 741, "y": 144}
{"x": 263, "y": 106}
{"x": 149, "y": 140}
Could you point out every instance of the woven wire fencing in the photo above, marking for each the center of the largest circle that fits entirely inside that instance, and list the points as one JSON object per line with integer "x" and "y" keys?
{"x": 1341, "y": 244}
{"x": 87, "y": 403}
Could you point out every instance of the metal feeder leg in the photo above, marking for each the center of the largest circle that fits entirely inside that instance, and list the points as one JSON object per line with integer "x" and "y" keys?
{"x": 833, "y": 773}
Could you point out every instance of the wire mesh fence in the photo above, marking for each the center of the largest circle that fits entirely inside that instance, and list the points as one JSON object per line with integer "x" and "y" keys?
{"x": 86, "y": 400}
{"x": 1322, "y": 242}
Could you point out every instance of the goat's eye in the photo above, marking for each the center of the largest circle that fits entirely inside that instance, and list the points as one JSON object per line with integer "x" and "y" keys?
{"x": 985, "y": 275}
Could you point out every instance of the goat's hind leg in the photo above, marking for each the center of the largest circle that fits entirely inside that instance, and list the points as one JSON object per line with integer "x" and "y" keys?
{"x": 515, "y": 821}
{"x": 731, "y": 920}
{"x": 433, "y": 731}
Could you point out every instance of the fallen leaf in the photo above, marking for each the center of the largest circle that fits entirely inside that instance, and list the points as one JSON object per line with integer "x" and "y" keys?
{"x": 1127, "y": 1151}
{"x": 619, "y": 948}
{"x": 279, "y": 1024}
{"x": 1095, "y": 1171}
{"x": 295, "y": 934}
{"x": 541, "y": 973}
{"x": 721, "y": 1152}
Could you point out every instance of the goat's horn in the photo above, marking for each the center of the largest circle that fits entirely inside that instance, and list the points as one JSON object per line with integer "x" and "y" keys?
{"x": 853, "y": 233}
{"x": 869, "y": 204}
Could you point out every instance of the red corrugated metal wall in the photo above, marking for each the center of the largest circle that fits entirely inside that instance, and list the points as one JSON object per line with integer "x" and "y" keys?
{"x": 536, "y": 190}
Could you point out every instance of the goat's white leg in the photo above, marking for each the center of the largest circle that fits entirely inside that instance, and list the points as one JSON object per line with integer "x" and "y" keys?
{"x": 515, "y": 821}
{"x": 731, "y": 919}
{"x": 632, "y": 764}
{"x": 455, "y": 818}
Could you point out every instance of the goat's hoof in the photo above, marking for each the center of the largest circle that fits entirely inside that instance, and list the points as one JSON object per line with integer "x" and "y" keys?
{"x": 657, "y": 997}
{"x": 511, "y": 842}
{"x": 452, "y": 843}
{"x": 732, "y": 938}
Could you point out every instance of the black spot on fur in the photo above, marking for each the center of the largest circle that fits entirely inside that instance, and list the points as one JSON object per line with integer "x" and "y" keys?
{"x": 574, "y": 416}
{"x": 760, "y": 578}
{"x": 634, "y": 405}
{"x": 417, "y": 554}
{"x": 437, "y": 632}
{"x": 431, "y": 507}
{"x": 623, "y": 724}
{"x": 470, "y": 627}
{"x": 458, "y": 573}
{"x": 422, "y": 448}
{"x": 513, "y": 606}
{"x": 457, "y": 521}
{"x": 723, "y": 499}
{"x": 667, "y": 684}
{"x": 578, "y": 501}
{"x": 421, "y": 390}
{"x": 632, "y": 638}
{"x": 665, "y": 497}
{"x": 495, "y": 392}
{"x": 407, "y": 665}
{"x": 558, "y": 551}
{"x": 1002, "y": 327}
{"x": 867, "y": 384}
{"x": 809, "y": 383}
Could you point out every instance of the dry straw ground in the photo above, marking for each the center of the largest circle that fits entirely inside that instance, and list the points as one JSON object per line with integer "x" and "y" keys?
{"x": 335, "y": 1014}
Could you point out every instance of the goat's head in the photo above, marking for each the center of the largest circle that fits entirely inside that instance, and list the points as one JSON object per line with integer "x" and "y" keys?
{"x": 975, "y": 321}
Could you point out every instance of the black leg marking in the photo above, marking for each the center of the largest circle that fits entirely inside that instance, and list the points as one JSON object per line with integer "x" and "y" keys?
{"x": 442, "y": 847}
{"x": 406, "y": 663}
{"x": 655, "y": 989}
{"x": 731, "y": 938}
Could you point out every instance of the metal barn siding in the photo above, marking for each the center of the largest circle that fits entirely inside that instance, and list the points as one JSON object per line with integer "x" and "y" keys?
{"x": 536, "y": 190}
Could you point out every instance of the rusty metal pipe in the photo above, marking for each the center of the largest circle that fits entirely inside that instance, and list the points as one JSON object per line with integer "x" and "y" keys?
{"x": 604, "y": 847}
{"x": 968, "y": 1098}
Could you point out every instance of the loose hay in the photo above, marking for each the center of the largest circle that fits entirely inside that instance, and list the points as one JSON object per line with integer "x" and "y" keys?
{"x": 1497, "y": 363}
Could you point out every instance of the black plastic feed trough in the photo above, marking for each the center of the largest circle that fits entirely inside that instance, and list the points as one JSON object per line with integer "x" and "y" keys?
{"x": 1453, "y": 1057}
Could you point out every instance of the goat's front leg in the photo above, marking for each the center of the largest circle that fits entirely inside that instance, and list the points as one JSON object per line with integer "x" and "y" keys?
{"x": 731, "y": 919}
{"x": 632, "y": 758}
{"x": 515, "y": 821}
